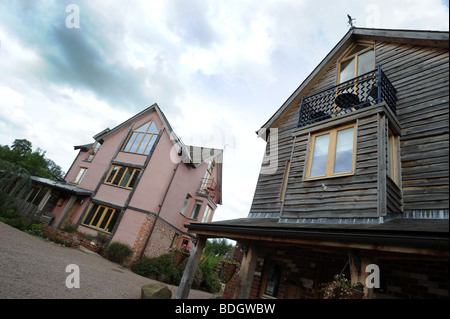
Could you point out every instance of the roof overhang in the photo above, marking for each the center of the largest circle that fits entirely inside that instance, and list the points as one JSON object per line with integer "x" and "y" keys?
{"x": 63, "y": 186}
{"x": 426, "y": 237}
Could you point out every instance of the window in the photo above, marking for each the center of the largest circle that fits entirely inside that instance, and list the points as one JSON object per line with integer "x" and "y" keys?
{"x": 207, "y": 214}
{"x": 174, "y": 242}
{"x": 80, "y": 175}
{"x": 92, "y": 152}
{"x": 271, "y": 279}
{"x": 332, "y": 153}
{"x": 195, "y": 210}
{"x": 122, "y": 176}
{"x": 186, "y": 201}
{"x": 359, "y": 60}
{"x": 101, "y": 217}
{"x": 393, "y": 157}
{"x": 141, "y": 140}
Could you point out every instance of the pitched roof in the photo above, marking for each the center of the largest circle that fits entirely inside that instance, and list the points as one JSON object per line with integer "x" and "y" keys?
{"x": 413, "y": 37}
{"x": 188, "y": 154}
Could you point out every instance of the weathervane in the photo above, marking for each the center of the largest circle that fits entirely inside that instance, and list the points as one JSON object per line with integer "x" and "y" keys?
{"x": 350, "y": 21}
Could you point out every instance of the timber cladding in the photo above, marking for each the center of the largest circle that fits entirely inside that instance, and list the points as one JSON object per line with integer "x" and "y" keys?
{"x": 420, "y": 76}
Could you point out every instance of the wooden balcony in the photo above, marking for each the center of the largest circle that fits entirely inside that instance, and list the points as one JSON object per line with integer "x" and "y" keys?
{"x": 368, "y": 89}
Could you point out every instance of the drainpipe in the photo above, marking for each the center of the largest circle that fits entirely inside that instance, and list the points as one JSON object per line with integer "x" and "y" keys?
{"x": 159, "y": 211}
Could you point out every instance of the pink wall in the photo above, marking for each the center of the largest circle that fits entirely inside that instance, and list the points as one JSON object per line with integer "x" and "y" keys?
{"x": 150, "y": 191}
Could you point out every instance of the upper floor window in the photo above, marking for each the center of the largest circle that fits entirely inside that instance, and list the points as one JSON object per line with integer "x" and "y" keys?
{"x": 93, "y": 152}
{"x": 122, "y": 176}
{"x": 332, "y": 153}
{"x": 359, "y": 60}
{"x": 195, "y": 210}
{"x": 141, "y": 139}
{"x": 80, "y": 175}
{"x": 207, "y": 215}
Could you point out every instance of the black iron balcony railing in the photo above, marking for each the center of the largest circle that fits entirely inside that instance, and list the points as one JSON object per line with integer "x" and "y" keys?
{"x": 365, "y": 90}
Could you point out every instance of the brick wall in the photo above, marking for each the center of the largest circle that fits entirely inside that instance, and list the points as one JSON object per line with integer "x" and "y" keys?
{"x": 305, "y": 269}
{"x": 160, "y": 241}
{"x": 76, "y": 240}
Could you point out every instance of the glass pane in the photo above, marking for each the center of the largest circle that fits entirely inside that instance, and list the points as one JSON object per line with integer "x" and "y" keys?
{"x": 357, "y": 49}
{"x": 142, "y": 128}
{"x": 366, "y": 62}
{"x": 344, "y": 151}
{"x": 134, "y": 178}
{"x": 97, "y": 217}
{"x": 319, "y": 158}
{"x": 150, "y": 145}
{"x": 119, "y": 176}
{"x": 145, "y": 140}
{"x": 112, "y": 222}
{"x": 111, "y": 175}
{"x": 130, "y": 142}
{"x": 347, "y": 70}
{"x": 126, "y": 178}
{"x": 153, "y": 128}
{"x": 106, "y": 218}
{"x": 273, "y": 280}
{"x": 90, "y": 215}
{"x": 135, "y": 145}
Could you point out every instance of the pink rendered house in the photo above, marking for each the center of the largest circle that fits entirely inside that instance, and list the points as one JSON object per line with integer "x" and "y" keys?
{"x": 139, "y": 184}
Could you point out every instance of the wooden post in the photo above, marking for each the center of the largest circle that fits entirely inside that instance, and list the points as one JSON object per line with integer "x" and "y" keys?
{"x": 191, "y": 269}
{"x": 246, "y": 272}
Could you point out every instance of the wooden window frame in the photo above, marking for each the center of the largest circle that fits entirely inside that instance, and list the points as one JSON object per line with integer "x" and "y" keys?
{"x": 78, "y": 178}
{"x": 100, "y": 220}
{"x": 193, "y": 208}
{"x": 92, "y": 152}
{"x": 393, "y": 159}
{"x": 265, "y": 276}
{"x": 135, "y": 140}
{"x": 331, "y": 153}
{"x": 346, "y": 57}
{"x": 185, "y": 205}
{"x": 111, "y": 171}
{"x": 207, "y": 214}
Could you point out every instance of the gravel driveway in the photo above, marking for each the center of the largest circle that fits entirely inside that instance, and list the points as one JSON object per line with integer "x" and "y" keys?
{"x": 33, "y": 268}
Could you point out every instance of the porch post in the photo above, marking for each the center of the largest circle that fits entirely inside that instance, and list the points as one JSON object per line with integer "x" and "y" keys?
{"x": 246, "y": 272}
{"x": 66, "y": 210}
{"x": 191, "y": 269}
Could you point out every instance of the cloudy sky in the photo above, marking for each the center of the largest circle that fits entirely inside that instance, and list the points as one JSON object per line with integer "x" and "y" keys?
{"x": 218, "y": 69}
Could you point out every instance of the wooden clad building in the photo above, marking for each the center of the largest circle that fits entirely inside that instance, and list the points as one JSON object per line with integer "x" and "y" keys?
{"x": 355, "y": 174}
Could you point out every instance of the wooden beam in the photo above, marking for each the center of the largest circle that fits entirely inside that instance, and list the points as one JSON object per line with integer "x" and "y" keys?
{"x": 246, "y": 272}
{"x": 191, "y": 269}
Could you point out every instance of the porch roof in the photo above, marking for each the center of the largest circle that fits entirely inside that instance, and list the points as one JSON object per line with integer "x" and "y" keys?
{"x": 64, "y": 186}
{"x": 402, "y": 235}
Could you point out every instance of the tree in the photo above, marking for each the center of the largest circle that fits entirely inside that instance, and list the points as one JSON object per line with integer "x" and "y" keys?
{"x": 21, "y": 153}
{"x": 217, "y": 247}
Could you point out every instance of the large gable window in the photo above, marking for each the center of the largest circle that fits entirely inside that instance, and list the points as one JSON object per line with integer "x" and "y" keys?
{"x": 358, "y": 61}
{"x": 141, "y": 139}
{"x": 332, "y": 153}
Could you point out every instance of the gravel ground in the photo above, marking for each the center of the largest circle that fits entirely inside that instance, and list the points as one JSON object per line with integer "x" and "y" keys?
{"x": 31, "y": 268}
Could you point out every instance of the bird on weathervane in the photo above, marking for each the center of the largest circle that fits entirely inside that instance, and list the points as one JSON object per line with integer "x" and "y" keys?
{"x": 350, "y": 21}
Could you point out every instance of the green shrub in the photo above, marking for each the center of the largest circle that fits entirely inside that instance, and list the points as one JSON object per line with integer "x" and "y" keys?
{"x": 118, "y": 252}
{"x": 35, "y": 230}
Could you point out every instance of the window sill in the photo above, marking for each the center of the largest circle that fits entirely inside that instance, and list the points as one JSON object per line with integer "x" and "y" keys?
{"x": 310, "y": 179}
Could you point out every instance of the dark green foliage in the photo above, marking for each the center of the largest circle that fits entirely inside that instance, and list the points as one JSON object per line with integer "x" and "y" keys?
{"x": 34, "y": 162}
{"x": 118, "y": 252}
